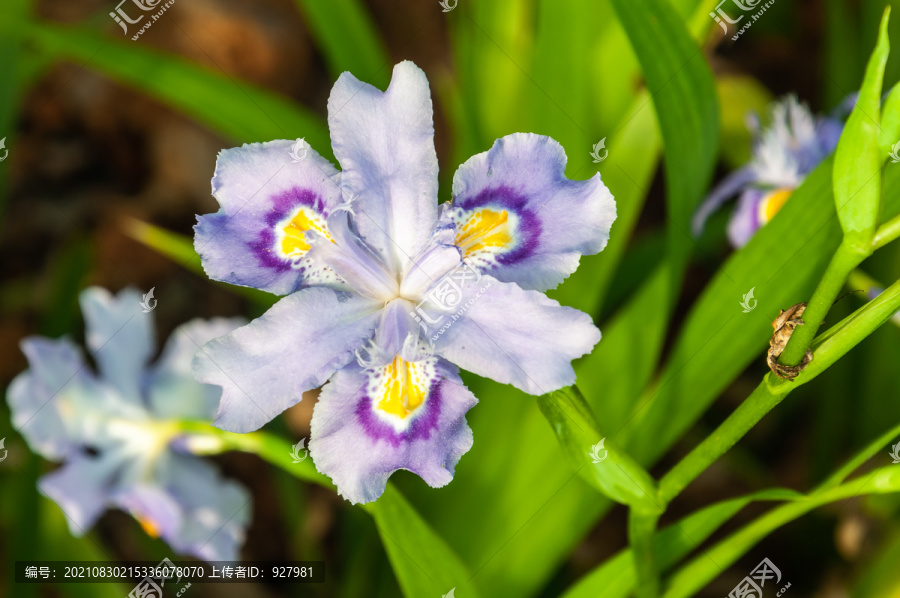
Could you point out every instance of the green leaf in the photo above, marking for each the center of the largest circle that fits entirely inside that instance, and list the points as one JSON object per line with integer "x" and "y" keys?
{"x": 348, "y": 39}
{"x": 684, "y": 94}
{"x": 422, "y": 561}
{"x": 180, "y": 249}
{"x": 710, "y": 564}
{"x": 782, "y": 262}
{"x": 236, "y": 109}
{"x": 605, "y": 466}
{"x": 615, "y": 578}
{"x": 857, "y": 160}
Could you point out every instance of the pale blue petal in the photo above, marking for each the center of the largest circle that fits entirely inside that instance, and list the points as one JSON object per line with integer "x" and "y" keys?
{"x": 513, "y": 336}
{"x": 730, "y": 186}
{"x": 358, "y": 268}
{"x": 259, "y": 187}
{"x": 553, "y": 221}
{"x": 119, "y": 336}
{"x": 196, "y": 511}
{"x": 745, "y": 220}
{"x": 172, "y": 391}
{"x": 51, "y": 401}
{"x": 81, "y": 488}
{"x": 384, "y": 142}
{"x": 266, "y": 366}
{"x": 359, "y": 448}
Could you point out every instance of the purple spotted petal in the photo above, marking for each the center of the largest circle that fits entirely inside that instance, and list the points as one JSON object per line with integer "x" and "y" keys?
{"x": 266, "y": 366}
{"x": 358, "y": 446}
{"x": 513, "y": 336}
{"x": 384, "y": 142}
{"x": 259, "y": 187}
{"x": 120, "y": 337}
{"x": 552, "y": 220}
{"x": 172, "y": 391}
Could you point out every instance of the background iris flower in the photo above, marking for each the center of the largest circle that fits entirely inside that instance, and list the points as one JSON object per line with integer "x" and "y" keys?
{"x": 784, "y": 152}
{"x": 387, "y": 293}
{"x": 116, "y": 430}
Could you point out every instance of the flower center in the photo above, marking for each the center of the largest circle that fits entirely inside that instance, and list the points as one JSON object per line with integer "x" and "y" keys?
{"x": 772, "y": 202}
{"x": 291, "y": 232}
{"x": 404, "y": 387}
{"x": 483, "y": 231}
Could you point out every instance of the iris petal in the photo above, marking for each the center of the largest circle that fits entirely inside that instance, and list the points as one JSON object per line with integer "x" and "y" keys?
{"x": 520, "y": 219}
{"x": 359, "y": 437}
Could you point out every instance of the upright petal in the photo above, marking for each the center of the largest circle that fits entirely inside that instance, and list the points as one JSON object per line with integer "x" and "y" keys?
{"x": 172, "y": 391}
{"x": 511, "y": 335}
{"x": 120, "y": 337}
{"x": 370, "y": 423}
{"x": 266, "y": 366}
{"x": 384, "y": 142}
{"x": 520, "y": 219}
{"x": 269, "y": 200}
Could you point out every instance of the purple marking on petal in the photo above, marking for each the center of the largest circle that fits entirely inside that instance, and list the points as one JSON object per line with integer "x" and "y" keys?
{"x": 420, "y": 428}
{"x": 282, "y": 205}
{"x": 529, "y": 230}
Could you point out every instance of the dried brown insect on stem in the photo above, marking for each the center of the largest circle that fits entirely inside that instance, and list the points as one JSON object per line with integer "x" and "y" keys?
{"x": 784, "y": 325}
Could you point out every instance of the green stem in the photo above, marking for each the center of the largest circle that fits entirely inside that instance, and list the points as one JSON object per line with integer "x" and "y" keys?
{"x": 845, "y": 259}
{"x": 762, "y": 400}
{"x": 887, "y": 232}
{"x": 830, "y": 346}
{"x": 203, "y": 438}
{"x": 641, "y": 531}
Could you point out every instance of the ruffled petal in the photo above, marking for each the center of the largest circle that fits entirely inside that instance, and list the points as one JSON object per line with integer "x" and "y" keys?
{"x": 500, "y": 331}
{"x": 81, "y": 488}
{"x": 266, "y": 366}
{"x": 172, "y": 391}
{"x": 120, "y": 337}
{"x": 520, "y": 219}
{"x": 384, "y": 142}
{"x": 370, "y": 423}
{"x": 268, "y": 204}
{"x": 191, "y": 507}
